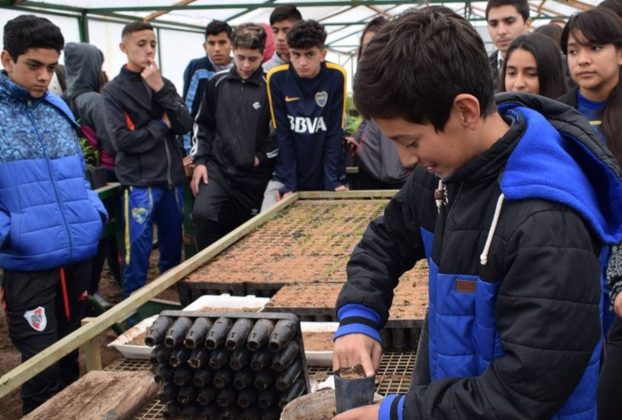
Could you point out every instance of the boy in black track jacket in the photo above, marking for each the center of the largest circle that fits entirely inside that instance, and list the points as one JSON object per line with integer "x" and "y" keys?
{"x": 307, "y": 102}
{"x": 145, "y": 114}
{"x": 512, "y": 205}
{"x": 232, "y": 131}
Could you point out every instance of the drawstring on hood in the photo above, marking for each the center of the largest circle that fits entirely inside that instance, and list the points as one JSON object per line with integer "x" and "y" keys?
{"x": 483, "y": 258}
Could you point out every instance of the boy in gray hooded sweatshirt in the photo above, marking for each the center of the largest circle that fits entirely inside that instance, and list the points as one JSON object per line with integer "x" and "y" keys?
{"x": 83, "y": 68}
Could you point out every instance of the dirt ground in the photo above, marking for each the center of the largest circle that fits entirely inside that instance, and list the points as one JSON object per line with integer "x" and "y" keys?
{"x": 11, "y": 406}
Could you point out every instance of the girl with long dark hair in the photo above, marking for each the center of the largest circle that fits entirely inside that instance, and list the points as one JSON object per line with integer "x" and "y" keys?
{"x": 533, "y": 64}
{"x": 592, "y": 41}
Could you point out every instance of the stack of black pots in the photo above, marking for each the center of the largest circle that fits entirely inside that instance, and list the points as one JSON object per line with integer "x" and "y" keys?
{"x": 227, "y": 365}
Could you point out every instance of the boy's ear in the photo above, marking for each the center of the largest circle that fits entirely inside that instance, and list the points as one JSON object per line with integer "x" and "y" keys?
{"x": 324, "y": 51}
{"x": 468, "y": 109}
{"x": 122, "y": 47}
{"x": 7, "y": 61}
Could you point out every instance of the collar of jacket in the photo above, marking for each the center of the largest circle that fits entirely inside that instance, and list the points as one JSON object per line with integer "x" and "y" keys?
{"x": 490, "y": 163}
{"x": 130, "y": 74}
{"x": 11, "y": 91}
{"x": 15, "y": 92}
{"x": 255, "y": 78}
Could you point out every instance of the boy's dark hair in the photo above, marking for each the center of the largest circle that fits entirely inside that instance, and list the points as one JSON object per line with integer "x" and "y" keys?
{"x": 548, "y": 59}
{"x": 137, "y": 26}
{"x": 286, "y": 12}
{"x": 417, "y": 64}
{"x": 602, "y": 26}
{"x": 306, "y": 34}
{"x": 613, "y": 5}
{"x": 521, "y": 6}
{"x": 373, "y": 25}
{"x": 29, "y": 31}
{"x": 551, "y": 30}
{"x": 216, "y": 27}
{"x": 249, "y": 35}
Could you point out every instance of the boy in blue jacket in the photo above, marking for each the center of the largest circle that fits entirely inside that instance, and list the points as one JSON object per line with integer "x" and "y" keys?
{"x": 50, "y": 220}
{"x": 307, "y": 104}
{"x": 513, "y": 207}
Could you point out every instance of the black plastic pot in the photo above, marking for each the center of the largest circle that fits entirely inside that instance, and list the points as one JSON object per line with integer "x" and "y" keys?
{"x": 97, "y": 177}
{"x": 352, "y": 393}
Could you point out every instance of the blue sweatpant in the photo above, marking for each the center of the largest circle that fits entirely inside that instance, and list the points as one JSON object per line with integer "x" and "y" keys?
{"x": 144, "y": 206}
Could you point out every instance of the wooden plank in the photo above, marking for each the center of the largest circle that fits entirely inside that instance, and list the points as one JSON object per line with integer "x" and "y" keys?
{"x": 100, "y": 395}
{"x": 17, "y": 376}
{"x": 91, "y": 351}
{"x": 108, "y": 190}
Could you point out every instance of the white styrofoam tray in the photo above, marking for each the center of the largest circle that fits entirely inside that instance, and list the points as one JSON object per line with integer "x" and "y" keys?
{"x": 132, "y": 351}
{"x": 324, "y": 357}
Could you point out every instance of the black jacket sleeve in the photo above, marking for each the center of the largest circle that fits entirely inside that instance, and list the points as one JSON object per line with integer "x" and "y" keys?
{"x": 333, "y": 162}
{"x": 390, "y": 246}
{"x": 547, "y": 316}
{"x": 173, "y": 105}
{"x": 124, "y": 139}
{"x": 205, "y": 125}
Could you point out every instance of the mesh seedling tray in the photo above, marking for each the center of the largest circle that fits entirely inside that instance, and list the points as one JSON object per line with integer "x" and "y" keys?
{"x": 393, "y": 377}
{"x": 228, "y": 367}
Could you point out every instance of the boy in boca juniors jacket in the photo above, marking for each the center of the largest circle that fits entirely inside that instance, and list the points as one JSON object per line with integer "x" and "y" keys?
{"x": 512, "y": 205}
{"x": 307, "y": 102}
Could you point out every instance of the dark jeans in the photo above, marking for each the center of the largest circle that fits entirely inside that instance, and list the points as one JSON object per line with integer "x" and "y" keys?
{"x": 610, "y": 382}
{"x": 39, "y": 314}
{"x": 224, "y": 204}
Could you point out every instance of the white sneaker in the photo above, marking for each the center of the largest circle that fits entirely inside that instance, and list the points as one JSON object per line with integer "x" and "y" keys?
{"x": 103, "y": 302}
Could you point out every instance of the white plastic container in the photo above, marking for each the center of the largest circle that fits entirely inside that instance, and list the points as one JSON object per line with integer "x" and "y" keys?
{"x": 319, "y": 357}
{"x": 248, "y": 303}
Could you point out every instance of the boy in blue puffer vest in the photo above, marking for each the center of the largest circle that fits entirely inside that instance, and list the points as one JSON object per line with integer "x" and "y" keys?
{"x": 50, "y": 220}
{"x": 513, "y": 207}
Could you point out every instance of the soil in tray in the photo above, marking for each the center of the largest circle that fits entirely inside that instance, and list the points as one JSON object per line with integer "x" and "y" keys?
{"x": 318, "y": 341}
{"x": 310, "y": 241}
{"x": 315, "y": 295}
{"x": 225, "y": 309}
{"x": 410, "y": 299}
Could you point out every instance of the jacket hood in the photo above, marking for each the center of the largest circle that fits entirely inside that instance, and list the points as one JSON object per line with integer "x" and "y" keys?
{"x": 83, "y": 64}
{"x": 561, "y": 159}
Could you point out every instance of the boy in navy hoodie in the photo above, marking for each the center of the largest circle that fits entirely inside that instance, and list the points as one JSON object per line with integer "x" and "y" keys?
{"x": 513, "y": 207}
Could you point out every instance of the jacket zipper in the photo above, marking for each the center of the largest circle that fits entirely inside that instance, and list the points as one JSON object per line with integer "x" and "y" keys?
{"x": 47, "y": 161}
{"x": 169, "y": 177}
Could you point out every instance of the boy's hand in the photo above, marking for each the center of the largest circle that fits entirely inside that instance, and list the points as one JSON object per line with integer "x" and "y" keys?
{"x": 617, "y": 305}
{"x": 279, "y": 197}
{"x": 349, "y": 144}
{"x": 188, "y": 166}
{"x": 151, "y": 76}
{"x": 354, "y": 349}
{"x": 366, "y": 412}
{"x": 199, "y": 174}
{"x": 166, "y": 120}
{"x": 342, "y": 188}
